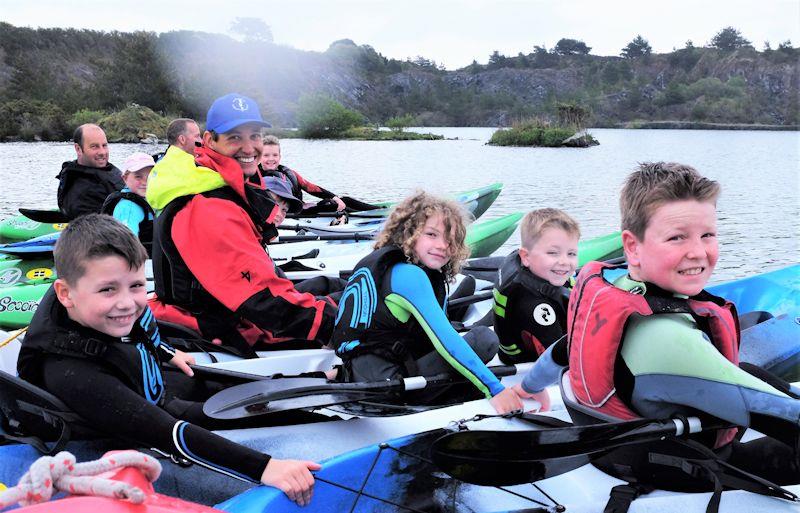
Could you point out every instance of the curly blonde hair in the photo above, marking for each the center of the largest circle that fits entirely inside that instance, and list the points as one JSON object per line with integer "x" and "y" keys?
{"x": 408, "y": 218}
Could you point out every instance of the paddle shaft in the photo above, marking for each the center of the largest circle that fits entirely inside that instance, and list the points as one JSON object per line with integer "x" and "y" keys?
{"x": 333, "y": 236}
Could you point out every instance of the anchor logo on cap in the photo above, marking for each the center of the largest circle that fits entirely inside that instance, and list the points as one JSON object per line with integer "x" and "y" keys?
{"x": 240, "y": 104}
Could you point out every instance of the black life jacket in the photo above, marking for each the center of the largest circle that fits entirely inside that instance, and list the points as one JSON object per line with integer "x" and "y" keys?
{"x": 287, "y": 174}
{"x": 133, "y": 359}
{"x": 108, "y": 179}
{"x": 176, "y": 285}
{"x": 365, "y": 325}
{"x": 145, "y": 226}
{"x": 514, "y": 282}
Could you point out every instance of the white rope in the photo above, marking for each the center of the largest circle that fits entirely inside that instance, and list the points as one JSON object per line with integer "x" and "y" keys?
{"x": 51, "y": 474}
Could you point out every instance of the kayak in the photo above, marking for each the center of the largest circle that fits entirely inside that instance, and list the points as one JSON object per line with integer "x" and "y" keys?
{"x": 23, "y": 280}
{"x": 602, "y": 248}
{"x": 398, "y": 476}
{"x": 316, "y": 441}
{"x": 475, "y": 201}
{"x": 20, "y": 228}
{"x": 151, "y": 502}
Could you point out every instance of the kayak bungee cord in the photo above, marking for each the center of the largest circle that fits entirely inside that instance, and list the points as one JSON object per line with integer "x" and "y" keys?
{"x": 459, "y": 425}
{"x": 12, "y": 337}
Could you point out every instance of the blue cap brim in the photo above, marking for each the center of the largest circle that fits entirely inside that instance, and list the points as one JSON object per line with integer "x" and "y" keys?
{"x": 230, "y": 125}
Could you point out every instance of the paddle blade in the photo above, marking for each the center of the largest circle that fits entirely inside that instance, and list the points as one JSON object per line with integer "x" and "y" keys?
{"x": 486, "y": 458}
{"x": 274, "y": 395}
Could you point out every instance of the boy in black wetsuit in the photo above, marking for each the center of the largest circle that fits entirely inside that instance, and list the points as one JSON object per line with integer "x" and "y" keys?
{"x": 94, "y": 343}
{"x": 530, "y": 301}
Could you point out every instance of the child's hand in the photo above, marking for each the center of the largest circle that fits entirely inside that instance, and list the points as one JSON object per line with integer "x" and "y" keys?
{"x": 542, "y": 397}
{"x": 292, "y": 477}
{"x": 182, "y": 361}
{"x": 506, "y": 401}
{"x": 340, "y": 206}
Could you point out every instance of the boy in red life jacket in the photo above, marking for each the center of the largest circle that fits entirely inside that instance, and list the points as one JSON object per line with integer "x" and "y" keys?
{"x": 530, "y": 300}
{"x": 655, "y": 344}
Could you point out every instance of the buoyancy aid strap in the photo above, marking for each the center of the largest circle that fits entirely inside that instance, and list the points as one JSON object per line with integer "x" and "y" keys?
{"x": 621, "y": 497}
{"x": 74, "y": 344}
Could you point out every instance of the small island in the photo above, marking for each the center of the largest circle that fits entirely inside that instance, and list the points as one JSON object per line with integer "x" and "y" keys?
{"x": 569, "y": 131}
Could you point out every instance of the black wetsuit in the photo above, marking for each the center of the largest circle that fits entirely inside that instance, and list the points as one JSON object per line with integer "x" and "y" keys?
{"x": 119, "y": 391}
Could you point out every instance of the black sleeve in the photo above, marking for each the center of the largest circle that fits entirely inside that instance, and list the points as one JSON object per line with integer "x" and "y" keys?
{"x": 83, "y": 197}
{"x": 101, "y": 398}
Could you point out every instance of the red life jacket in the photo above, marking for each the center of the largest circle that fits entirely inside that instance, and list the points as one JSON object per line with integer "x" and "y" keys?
{"x": 596, "y": 318}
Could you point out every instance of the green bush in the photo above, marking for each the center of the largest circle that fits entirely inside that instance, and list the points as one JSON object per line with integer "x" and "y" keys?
{"x": 31, "y": 120}
{"x": 321, "y": 117}
{"x": 133, "y": 123}
{"x": 84, "y": 116}
{"x": 532, "y": 134}
{"x": 398, "y": 123}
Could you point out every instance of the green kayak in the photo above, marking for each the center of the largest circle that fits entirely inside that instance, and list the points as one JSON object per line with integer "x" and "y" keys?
{"x": 21, "y": 228}
{"x": 476, "y": 202}
{"x": 484, "y": 238}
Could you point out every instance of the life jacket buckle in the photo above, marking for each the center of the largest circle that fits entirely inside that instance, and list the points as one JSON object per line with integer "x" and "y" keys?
{"x": 94, "y": 347}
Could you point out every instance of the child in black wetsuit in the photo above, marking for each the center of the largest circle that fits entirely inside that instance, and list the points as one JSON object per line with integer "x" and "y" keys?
{"x": 94, "y": 343}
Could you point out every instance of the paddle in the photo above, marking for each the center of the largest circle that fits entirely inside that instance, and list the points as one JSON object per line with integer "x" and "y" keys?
{"x": 44, "y": 216}
{"x": 271, "y": 396}
{"x": 356, "y": 236}
{"x": 496, "y": 458}
{"x": 500, "y": 458}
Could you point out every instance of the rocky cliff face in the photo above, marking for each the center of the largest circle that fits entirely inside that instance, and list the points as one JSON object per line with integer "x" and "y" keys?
{"x": 185, "y": 71}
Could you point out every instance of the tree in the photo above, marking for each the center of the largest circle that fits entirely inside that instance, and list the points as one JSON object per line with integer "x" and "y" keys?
{"x": 571, "y": 47}
{"x": 542, "y": 58}
{"x": 638, "y": 47}
{"x": 321, "y": 116}
{"x": 251, "y": 30}
{"x": 729, "y": 39}
{"x": 497, "y": 60}
{"x": 398, "y": 123}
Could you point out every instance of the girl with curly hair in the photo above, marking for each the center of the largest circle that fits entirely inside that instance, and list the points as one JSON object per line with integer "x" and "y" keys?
{"x": 392, "y": 318}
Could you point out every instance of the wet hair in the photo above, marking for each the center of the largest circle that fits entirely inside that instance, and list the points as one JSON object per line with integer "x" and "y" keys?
{"x": 176, "y": 128}
{"x": 271, "y": 140}
{"x": 653, "y": 184}
{"x": 537, "y": 221}
{"x": 408, "y": 218}
{"x": 95, "y": 236}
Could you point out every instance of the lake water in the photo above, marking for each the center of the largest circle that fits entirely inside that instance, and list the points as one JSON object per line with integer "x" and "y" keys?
{"x": 759, "y": 210}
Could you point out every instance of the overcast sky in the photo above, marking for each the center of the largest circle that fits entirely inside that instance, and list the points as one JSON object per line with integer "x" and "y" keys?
{"x": 452, "y": 32}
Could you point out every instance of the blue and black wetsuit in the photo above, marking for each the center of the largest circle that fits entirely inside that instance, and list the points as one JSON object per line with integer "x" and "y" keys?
{"x": 392, "y": 322}
{"x": 117, "y": 386}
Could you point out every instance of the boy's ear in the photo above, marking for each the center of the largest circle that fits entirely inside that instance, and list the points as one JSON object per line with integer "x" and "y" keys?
{"x": 63, "y": 293}
{"x": 630, "y": 246}
{"x": 523, "y": 256}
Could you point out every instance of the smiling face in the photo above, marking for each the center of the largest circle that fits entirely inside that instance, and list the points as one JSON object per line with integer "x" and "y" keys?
{"x": 136, "y": 181}
{"x": 679, "y": 250}
{"x": 109, "y": 297}
{"x": 271, "y": 157}
{"x": 242, "y": 143}
{"x": 93, "y": 152}
{"x": 553, "y": 257}
{"x": 431, "y": 248}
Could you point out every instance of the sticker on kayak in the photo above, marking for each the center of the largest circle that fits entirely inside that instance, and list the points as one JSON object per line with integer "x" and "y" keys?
{"x": 40, "y": 273}
{"x": 9, "y": 304}
{"x": 59, "y": 226}
{"x": 23, "y": 223}
{"x": 10, "y": 276}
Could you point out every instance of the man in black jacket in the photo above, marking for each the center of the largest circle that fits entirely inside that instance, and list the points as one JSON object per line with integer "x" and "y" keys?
{"x": 85, "y": 183}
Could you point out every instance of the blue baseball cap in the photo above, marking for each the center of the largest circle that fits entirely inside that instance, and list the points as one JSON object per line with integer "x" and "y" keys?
{"x": 232, "y": 110}
{"x": 281, "y": 187}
